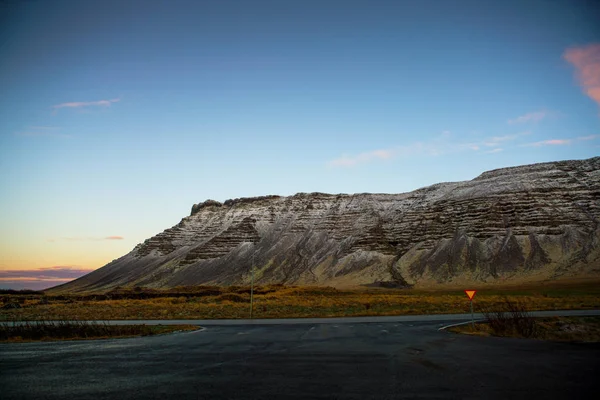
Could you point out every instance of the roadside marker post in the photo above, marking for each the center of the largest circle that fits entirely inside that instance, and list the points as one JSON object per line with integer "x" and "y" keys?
{"x": 470, "y": 295}
{"x": 252, "y": 288}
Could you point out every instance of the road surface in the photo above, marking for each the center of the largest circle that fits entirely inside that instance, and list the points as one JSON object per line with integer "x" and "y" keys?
{"x": 384, "y": 359}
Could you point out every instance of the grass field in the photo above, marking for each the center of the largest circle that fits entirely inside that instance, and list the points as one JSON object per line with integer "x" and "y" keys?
{"x": 277, "y": 301}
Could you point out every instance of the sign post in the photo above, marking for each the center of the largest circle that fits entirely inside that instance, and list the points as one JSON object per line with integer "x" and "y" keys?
{"x": 470, "y": 295}
{"x": 252, "y": 288}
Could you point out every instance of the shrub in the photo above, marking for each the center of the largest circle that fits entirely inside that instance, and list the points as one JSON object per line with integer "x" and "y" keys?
{"x": 179, "y": 300}
{"x": 236, "y": 298}
{"x": 511, "y": 317}
{"x": 10, "y": 306}
{"x": 41, "y": 330}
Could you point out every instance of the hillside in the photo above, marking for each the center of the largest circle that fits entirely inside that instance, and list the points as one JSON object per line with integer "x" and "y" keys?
{"x": 526, "y": 223}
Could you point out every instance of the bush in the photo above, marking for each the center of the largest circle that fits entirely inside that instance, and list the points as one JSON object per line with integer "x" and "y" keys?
{"x": 236, "y": 298}
{"x": 511, "y": 317}
{"x": 67, "y": 330}
{"x": 10, "y": 306}
{"x": 179, "y": 300}
{"x": 62, "y": 330}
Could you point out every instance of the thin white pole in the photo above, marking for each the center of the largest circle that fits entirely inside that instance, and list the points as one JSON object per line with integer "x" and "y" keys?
{"x": 252, "y": 288}
{"x": 472, "y": 319}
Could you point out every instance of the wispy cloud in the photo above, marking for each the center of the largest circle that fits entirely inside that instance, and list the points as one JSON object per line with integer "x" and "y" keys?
{"x": 496, "y": 150}
{"x": 562, "y": 142}
{"x": 497, "y": 140}
{"x": 50, "y": 131}
{"x": 348, "y": 161}
{"x": 87, "y": 238}
{"x": 590, "y": 137}
{"x": 551, "y": 142}
{"x": 494, "y": 141}
{"x": 49, "y": 134}
{"x": 45, "y": 128}
{"x": 439, "y": 145}
{"x": 586, "y": 60}
{"x": 79, "y": 104}
{"x": 535, "y": 116}
{"x": 40, "y": 278}
{"x": 446, "y": 144}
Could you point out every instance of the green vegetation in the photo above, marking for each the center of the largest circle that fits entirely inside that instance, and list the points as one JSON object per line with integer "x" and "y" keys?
{"x": 278, "y": 301}
{"x": 68, "y": 330}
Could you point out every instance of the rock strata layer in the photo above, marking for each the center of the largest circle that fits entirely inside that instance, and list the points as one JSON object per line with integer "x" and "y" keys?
{"x": 532, "y": 222}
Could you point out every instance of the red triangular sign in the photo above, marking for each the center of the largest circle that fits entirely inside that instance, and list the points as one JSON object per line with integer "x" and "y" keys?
{"x": 470, "y": 293}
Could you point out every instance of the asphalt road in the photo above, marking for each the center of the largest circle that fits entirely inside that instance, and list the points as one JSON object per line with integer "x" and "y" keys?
{"x": 377, "y": 360}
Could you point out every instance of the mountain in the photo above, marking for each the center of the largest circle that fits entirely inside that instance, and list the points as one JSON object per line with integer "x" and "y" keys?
{"x": 518, "y": 224}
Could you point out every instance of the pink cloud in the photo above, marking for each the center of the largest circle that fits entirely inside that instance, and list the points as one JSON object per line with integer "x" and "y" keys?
{"x": 40, "y": 278}
{"x": 433, "y": 147}
{"x": 86, "y": 238}
{"x": 586, "y": 60}
{"x": 562, "y": 142}
{"x": 551, "y": 142}
{"x": 78, "y": 104}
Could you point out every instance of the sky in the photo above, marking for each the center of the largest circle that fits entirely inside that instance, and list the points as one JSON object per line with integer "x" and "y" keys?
{"x": 117, "y": 116}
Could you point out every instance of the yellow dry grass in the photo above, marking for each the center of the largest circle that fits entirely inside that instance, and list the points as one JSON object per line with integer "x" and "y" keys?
{"x": 563, "y": 329}
{"x": 287, "y": 302}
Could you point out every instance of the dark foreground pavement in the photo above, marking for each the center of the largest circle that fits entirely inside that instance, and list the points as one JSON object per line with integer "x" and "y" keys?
{"x": 298, "y": 361}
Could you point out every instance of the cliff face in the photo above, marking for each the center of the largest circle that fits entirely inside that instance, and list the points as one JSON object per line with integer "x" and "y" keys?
{"x": 531, "y": 222}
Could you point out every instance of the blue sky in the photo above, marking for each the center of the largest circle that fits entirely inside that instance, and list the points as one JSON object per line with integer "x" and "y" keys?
{"x": 117, "y": 116}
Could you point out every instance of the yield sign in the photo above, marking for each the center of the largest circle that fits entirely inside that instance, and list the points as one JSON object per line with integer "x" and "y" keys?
{"x": 470, "y": 293}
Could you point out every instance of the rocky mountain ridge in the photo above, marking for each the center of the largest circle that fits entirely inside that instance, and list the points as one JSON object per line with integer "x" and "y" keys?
{"x": 531, "y": 222}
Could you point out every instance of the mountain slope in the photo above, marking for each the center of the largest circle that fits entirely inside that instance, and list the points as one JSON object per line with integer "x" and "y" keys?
{"x": 530, "y": 222}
